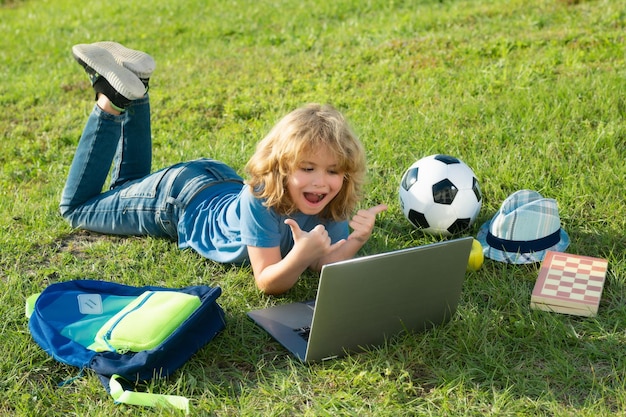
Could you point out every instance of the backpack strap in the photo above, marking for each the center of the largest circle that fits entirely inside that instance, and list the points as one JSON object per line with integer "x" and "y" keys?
{"x": 123, "y": 396}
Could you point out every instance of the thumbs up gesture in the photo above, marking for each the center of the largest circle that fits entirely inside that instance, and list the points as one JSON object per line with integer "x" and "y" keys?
{"x": 316, "y": 243}
{"x": 362, "y": 223}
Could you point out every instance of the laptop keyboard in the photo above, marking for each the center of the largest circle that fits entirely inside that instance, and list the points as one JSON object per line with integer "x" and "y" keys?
{"x": 303, "y": 332}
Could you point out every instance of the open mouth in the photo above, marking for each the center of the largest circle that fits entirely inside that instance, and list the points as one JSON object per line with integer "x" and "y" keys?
{"x": 314, "y": 197}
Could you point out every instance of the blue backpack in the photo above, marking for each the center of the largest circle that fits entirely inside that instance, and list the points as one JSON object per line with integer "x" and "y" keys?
{"x": 125, "y": 334}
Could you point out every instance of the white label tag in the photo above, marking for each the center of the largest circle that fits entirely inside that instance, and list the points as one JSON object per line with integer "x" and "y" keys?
{"x": 90, "y": 303}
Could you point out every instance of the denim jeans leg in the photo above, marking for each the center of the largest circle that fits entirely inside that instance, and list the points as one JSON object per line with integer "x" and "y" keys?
{"x": 133, "y": 158}
{"x": 136, "y": 207}
{"x": 92, "y": 160}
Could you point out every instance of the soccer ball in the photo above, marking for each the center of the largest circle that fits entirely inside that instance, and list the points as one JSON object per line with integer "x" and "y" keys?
{"x": 440, "y": 195}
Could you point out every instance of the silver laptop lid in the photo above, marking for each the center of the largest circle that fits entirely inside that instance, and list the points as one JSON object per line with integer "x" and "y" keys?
{"x": 361, "y": 302}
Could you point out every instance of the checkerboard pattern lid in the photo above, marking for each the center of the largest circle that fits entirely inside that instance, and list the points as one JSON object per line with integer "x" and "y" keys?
{"x": 570, "y": 284}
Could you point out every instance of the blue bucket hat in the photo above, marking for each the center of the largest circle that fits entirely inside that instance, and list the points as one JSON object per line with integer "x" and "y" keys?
{"x": 526, "y": 226}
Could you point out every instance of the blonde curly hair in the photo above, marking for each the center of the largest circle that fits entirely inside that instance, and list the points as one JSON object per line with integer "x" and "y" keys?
{"x": 298, "y": 134}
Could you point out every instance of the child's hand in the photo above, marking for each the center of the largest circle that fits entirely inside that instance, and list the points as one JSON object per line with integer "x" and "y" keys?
{"x": 315, "y": 244}
{"x": 362, "y": 223}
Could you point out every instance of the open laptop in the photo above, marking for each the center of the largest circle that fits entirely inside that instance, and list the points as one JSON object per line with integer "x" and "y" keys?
{"x": 363, "y": 301}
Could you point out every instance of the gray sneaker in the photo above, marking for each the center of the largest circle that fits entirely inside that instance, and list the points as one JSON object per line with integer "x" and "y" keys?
{"x": 118, "y": 83}
{"x": 138, "y": 62}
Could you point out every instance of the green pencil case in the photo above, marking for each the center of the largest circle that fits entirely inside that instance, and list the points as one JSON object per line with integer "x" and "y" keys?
{"x": 145, "y": 322}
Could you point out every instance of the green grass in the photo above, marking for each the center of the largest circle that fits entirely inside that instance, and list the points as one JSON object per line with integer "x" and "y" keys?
{"x": 529, "y": 93}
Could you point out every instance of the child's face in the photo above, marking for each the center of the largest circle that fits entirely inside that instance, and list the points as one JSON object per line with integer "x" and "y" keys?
{"x": 315, "y": 182}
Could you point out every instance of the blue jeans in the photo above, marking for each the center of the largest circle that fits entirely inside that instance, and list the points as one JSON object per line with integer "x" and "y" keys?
{"x": 137, "y": 202}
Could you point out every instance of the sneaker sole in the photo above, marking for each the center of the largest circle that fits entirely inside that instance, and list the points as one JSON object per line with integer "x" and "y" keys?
{"x": 138, "y": 62}
{"x": 101, "y": 61}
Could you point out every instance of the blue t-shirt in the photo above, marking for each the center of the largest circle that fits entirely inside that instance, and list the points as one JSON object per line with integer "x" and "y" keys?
{"x": 223, "y": 220}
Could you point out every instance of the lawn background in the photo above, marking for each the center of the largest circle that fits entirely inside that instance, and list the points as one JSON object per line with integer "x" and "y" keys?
{"x": 529, "y": 93}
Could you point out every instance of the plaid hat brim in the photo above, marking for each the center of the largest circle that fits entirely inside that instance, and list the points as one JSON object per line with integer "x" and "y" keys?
{"x": 518, "y": 257}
